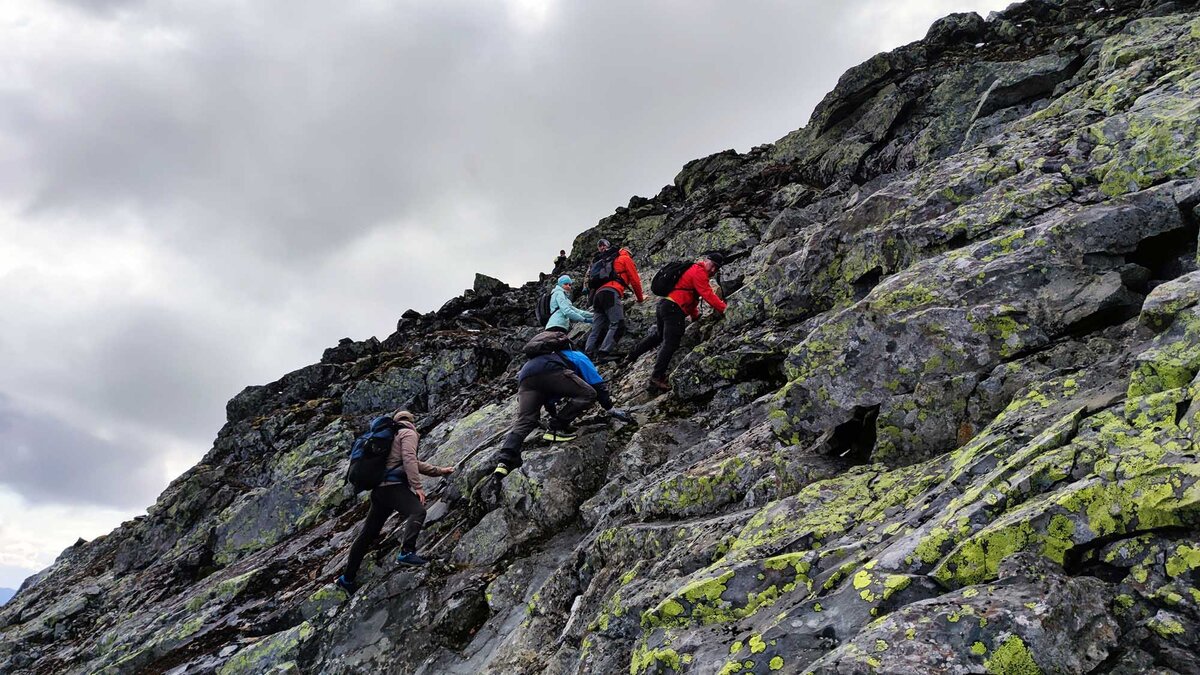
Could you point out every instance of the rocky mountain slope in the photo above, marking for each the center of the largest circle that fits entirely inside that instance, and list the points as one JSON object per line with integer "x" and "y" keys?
{"x": 947, "y": 426}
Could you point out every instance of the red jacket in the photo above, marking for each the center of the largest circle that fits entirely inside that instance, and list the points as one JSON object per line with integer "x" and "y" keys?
{"x": 692, "y": 286}
{"x": 625, "y": 270}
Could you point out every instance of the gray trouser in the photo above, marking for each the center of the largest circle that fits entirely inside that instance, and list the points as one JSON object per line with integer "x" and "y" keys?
{"x": 609, "y": 323}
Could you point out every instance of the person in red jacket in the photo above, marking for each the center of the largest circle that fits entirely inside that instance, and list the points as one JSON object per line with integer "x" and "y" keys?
{"x": 671, "y": 314}
{"x": 609, "y": 324}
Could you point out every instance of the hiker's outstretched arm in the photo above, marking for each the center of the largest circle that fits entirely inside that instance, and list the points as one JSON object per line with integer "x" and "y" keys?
{"x": 705, "y": 290}
{"x": 575, "y": 314}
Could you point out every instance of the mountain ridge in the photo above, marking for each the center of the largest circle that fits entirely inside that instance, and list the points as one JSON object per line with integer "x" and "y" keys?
{"x": 947, "y": 421}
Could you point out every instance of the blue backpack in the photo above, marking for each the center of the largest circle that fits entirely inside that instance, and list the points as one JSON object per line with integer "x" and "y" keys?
{"x": 369, "y": 455}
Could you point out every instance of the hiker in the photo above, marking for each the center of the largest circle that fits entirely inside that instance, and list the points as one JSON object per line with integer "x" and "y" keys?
{"x": 400, "y": 491}
{"x": 560, "y": 263}
{"x": 565, "y": 382}
{"x": 584, "y": 368}
{"x": 562, "y": 312}
{"x": 614, "y": 278}
{"x": 683, "y": 301}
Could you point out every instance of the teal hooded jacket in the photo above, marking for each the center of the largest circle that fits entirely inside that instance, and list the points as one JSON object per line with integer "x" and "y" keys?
{"x": 562, "y": 312}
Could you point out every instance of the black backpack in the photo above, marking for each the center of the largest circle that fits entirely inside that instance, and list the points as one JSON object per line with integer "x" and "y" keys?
{"x": 542, "y": 310}
{"x": 546, "y": 342}
{"x": 667, "y": 278}
{"x": 601, "y": 272}
{"x": 369, "y": 455}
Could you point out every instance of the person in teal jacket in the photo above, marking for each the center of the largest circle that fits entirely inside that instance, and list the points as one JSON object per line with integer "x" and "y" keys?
{"x": 562, "y": 312}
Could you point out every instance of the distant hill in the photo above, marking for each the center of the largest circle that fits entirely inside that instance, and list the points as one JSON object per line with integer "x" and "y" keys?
{"x": 6, "y": 594}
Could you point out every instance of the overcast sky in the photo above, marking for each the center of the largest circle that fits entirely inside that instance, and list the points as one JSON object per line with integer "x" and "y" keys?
{"x": 198, "y": 195}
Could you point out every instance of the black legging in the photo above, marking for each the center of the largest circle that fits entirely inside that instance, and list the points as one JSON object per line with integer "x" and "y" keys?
{"x": 385, "y": 500}
{"x": 667, "y": 332}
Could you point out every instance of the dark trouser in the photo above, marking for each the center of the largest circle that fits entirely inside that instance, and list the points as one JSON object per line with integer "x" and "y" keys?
{"x": 385, "y": 500}
{"x": 574, "y": 396}
{"x": 666, "y": 336}
{"x": 609, "y": 323}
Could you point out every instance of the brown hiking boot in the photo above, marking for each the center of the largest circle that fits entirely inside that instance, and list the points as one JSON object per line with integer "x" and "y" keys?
{"x": 659, "y": 384}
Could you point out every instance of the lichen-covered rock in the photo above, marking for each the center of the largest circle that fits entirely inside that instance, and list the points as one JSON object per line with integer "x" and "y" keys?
{"x": 948, "y": 423}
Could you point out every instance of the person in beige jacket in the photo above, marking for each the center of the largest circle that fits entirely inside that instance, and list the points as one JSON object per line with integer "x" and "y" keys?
{"x": 401, "y": 491}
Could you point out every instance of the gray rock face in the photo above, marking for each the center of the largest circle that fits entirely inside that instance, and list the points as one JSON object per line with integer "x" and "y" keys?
{"x": 948, "y": 424}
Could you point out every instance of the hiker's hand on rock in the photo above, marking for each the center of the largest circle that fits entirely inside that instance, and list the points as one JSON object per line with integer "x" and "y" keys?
{"x": 421, "y": 496}
{"x": 447, "y": 470}
{"x": 620, "y": 414}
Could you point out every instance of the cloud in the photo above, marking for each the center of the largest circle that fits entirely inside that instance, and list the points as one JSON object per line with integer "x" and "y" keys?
{"x": 33, "y": 535}
{"x": 50, "y": 458}
{"x": 200, "y": 195}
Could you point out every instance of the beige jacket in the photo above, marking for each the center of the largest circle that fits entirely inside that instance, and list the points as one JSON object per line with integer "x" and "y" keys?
{"x": 404, "y": 453}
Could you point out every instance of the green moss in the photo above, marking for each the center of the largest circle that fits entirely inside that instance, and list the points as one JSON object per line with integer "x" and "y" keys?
{"x": 268, "y": 652}
{"x": 703, "y": 604}
{"x": 682, "y": 493}
{"x": 1159, "y": 144}
{"x": 929, "y": 549}
{"x": 894, "y": 583}
{"x": 1185, "y": 559}
{"x": 1001, "y": 246}
{"x": 776, "y": 663}
{"x": 1165, "y": 626}
{"x": 979, "y": 649}
{"x": 1012, "y": 658}
{"x": 757, "y": 646}
{"x": 644, "y": 658}
{"x": 905, "y": 298}
{"x": 1147, "y": 500}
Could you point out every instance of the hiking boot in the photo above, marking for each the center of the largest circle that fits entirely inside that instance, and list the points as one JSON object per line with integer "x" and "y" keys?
{"x": 621, "y": 415}
{"x": 560, "y": 427}
{"x": 659, "y": 384}
{"x": 411, "y": 560}
{"x": 345, "y": 584}
{"x": 559, "y": 436}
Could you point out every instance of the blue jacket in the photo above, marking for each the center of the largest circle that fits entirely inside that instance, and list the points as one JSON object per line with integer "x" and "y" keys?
{"x": 583, "y": 367}
{"x": 562, "y": 312}
{"x": 578, "y": 363}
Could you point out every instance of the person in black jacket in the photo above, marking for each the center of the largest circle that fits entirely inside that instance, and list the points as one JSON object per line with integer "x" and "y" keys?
{"x": 563, "y": 381}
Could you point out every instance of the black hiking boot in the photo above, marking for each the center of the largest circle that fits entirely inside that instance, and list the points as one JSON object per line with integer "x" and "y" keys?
{"x": 658, "y": 385}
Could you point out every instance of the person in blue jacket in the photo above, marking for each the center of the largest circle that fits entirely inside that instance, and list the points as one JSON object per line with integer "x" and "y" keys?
{"x": 585, "y": 369}
{"x": 563, "y": 380}
{"x": 562, "y": 311}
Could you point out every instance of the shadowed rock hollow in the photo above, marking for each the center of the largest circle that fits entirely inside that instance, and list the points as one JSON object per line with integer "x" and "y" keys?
{"x": 947, "y": 426}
